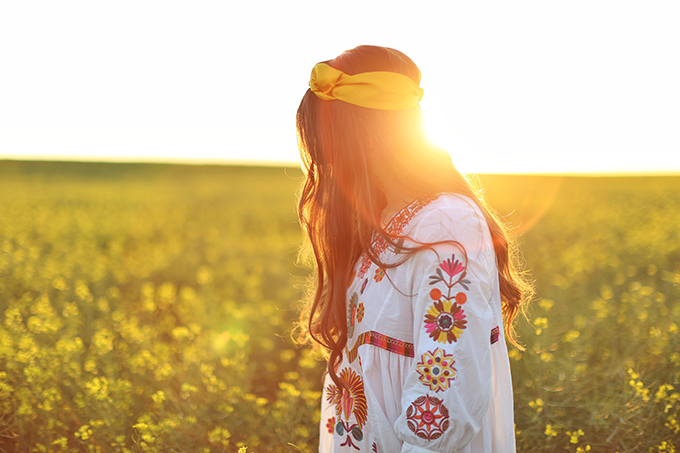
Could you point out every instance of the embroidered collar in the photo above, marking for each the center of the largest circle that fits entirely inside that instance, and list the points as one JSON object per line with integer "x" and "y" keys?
{"x": 395, "y": 228}
{"x": 401, "y": 219}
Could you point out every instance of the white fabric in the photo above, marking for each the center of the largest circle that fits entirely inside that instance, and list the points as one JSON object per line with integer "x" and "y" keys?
{"x": 390, "y": 399}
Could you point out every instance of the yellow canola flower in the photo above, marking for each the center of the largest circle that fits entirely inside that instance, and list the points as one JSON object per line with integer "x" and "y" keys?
{"x": 541, "y": 322}
{"x": 287, "y": 355}
{"x": 290, "y": 389}
{"x": 537, "y": 404}
{"x": 574, "y": 435}
{"x": 62, "y": 442}
{"x": 84, "y": 432}
{"x": 550, "y": 431}
{"x": 158, "y": 397}
{"x": 546, "y": 304}
{"x": 547, "y": 357}
{"x": 219, "y": 436}
{"x": 571, "y": 336}
{"x": 666, "y": 447}
{"x": 514, "y": 354}
{"x": 661, "y": 393}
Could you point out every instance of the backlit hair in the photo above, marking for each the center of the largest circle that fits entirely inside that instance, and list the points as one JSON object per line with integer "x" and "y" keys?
{"x": 340, "y": 203}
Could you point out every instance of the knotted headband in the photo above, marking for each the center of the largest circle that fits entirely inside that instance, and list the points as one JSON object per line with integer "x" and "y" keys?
{"x": 374, "y": 90}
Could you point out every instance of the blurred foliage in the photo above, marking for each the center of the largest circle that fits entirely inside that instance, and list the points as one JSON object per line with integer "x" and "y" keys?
{"x": 601, "y": 369}
{"x": 149, "y": 308}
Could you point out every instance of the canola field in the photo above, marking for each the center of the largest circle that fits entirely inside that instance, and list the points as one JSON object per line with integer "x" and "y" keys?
{"x": 149, "y": 308}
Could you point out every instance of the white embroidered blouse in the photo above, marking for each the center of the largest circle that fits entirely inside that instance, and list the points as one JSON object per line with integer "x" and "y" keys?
{"x": 426, "y": 362}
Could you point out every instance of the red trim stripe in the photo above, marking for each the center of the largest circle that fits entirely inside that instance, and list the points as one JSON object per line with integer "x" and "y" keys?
{"x": 383, "y": 342}
{"x": 495, "y": 333}
{"x": 393, "y": 345}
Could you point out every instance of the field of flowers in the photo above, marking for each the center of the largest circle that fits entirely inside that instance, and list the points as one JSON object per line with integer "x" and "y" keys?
{"x": 149, "y": 308}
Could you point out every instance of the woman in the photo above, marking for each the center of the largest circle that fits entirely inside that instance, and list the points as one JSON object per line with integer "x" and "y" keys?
{"x": 415, "y": 283}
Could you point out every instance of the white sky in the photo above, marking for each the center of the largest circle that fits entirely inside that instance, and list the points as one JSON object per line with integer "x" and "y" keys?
{"x": 523, "y": 86}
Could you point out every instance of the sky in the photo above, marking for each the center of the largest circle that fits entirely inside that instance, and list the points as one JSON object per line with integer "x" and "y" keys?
{"x": 510, "y": 87}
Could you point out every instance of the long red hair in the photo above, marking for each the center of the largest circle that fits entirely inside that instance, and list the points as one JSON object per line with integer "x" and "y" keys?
{"x": 340, "y": 203}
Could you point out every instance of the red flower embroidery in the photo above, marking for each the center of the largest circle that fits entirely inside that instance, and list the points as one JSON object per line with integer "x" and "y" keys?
{"x": 451, "y": 267}
{"x": 427, "y": 417}
{"x": 360, "y": 312}
{"x": 330, "y": 425}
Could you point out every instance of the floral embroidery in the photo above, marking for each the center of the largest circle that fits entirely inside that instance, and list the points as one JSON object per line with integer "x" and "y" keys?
{"x": 374, "y": 448}
{"x": 451, "y": 267}
{"x": 351, "y": 314}
{"x": 445, "y": 321}
{"x": 330, "y": 425}
{"x": 379, "y": 274}
{"x": 342, "y": 427}
{"x": 363, "y": 287}
{"x": 352, "y": 402}
{"x": 436, "y": 370}
{"x": 360, "y": 312}
{"x": 394, "y": 229}
{"x": 365, "y": 265}
{"x": 427, "y": 417}
{"x": 403, "y": 217}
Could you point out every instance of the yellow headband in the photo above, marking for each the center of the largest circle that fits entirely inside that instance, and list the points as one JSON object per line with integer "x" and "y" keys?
{"x": 373, "y": 90}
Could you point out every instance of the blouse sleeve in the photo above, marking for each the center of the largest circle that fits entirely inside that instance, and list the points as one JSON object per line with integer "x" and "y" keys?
{"x": 447, "y": 392}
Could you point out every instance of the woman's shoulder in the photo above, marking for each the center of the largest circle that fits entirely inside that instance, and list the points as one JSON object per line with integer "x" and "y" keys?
{"x": 452, "y": 223}
{"x": 448, "y": 214}
{"x": 452, "y": 203}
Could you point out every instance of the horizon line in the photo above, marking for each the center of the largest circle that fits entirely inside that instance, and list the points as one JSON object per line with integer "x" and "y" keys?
{"x": 297, "y": 164}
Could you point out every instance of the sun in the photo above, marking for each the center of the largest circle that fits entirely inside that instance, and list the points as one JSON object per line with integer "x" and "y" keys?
{"x": 441, "y": 130}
